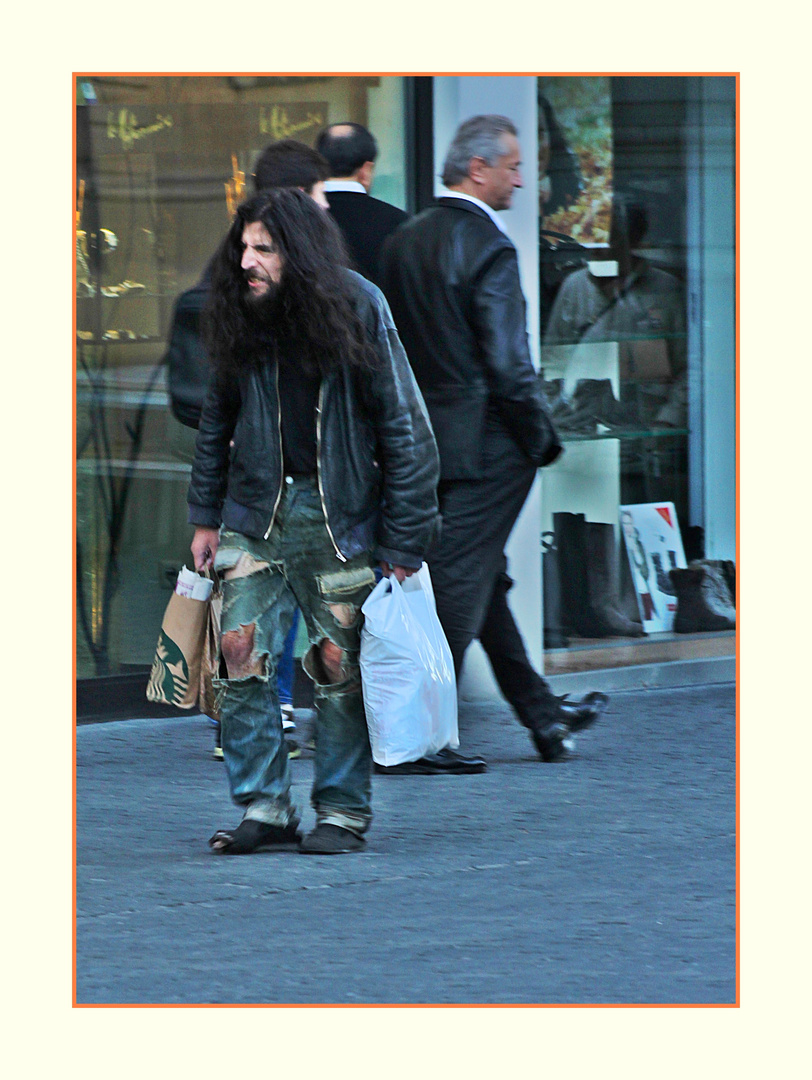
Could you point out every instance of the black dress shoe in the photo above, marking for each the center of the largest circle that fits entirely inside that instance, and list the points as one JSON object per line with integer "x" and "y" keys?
{"x": 578, "y": 715}
{"x": 448, "y": 760}
{"x": 552, "y": 740}
{"x": 444, "y": 761}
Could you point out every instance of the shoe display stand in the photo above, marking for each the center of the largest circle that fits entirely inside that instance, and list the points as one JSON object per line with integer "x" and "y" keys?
{"x": 586, "y": 482}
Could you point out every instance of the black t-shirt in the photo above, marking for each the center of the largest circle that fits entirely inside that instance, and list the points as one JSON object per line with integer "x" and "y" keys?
{"x": 299, "y": 398}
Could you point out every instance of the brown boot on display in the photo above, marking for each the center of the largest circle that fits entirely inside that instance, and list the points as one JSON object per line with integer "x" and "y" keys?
{"x": 604, "y": 584}
{"x": 703, "y": 600}
{"x": 728, "y": 570}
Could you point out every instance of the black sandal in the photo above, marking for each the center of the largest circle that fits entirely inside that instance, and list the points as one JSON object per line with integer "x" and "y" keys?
{"x": 251, "y": 836}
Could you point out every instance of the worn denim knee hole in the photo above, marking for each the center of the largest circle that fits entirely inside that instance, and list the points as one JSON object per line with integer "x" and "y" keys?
{"x": 345, "y": 615}
{"x": 237, "y": 648}
{"x": 245, "y": 566}
{"x": 332, "y": 659}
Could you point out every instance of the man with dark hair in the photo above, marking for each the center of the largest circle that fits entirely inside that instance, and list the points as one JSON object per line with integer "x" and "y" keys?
{"x": 290, "y": 163}
{"x": 365, "y": 221}
{"x": 315, "y": 460}
{"x": 285, "y": 163}
{"x": 452, "y": 276}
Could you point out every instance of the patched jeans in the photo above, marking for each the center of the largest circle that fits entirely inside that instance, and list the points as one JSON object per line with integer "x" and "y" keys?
{"x": 264, "y": 582}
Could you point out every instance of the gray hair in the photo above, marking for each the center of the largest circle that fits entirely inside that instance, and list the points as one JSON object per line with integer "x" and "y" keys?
{"x": 480, "y": 136}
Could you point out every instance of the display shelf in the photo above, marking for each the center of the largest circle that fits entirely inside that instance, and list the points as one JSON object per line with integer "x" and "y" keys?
{"x": 152, "y": 470}
{"x": 601, "y": 653}
{"x": 616, "y": 338}
{"x": 131, "y": 376}
{"x": 151, "y": 339}
{"x": 624, "y": 435}
{"x": 125, "y": 398}
{"x": 130, "y": 294}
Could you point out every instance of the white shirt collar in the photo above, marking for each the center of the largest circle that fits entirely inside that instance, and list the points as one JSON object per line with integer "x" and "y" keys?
{"x": 492, "y": 214}
{"x": 344, "y": 185}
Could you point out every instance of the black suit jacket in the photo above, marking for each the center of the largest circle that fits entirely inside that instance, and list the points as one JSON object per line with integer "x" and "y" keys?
{"x": 365, "y": 222}
{"x": 452, "y": 279}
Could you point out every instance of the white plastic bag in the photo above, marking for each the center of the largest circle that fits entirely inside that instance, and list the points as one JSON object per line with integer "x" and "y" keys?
{"x": 407, "y": 672}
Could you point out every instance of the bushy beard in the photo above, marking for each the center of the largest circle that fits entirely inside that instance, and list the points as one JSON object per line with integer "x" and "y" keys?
{"x": 263, "y": 309}
{"x": 269, "y": 319}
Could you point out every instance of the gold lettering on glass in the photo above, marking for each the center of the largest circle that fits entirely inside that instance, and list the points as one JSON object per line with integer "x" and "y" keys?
{"x": 124, "y": 127}
{"x": 278, "y": 124}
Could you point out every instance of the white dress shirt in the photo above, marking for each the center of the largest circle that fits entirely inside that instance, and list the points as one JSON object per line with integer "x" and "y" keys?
{"x": 344, "y": 185}
{"x": 492, "y": 214}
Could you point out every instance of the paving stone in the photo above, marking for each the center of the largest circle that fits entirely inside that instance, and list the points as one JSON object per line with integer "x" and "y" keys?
{"x": 607, "y": 879}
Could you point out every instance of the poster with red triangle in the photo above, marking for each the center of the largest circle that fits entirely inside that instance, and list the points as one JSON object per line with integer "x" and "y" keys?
{"x": 654, "y": 548}
{"x": 665, "y": 513}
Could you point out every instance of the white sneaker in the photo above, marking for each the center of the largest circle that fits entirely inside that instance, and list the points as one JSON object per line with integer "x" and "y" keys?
{"x": 289, "y": 731}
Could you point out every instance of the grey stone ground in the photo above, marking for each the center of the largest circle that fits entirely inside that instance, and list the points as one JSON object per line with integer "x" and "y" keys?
{"x": 608, "y": 879}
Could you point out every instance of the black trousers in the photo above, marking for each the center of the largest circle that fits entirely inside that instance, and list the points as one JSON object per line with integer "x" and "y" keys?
{"x": 469, "y": 573}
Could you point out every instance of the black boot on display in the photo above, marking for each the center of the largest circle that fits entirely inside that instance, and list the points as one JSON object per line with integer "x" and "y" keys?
{"x": 570, "y": 543}
{"x": 595, "y": 398}
{"x": 589, "y": 395}
{"x": 703, "y": 600}
{"x": 554, "y": 635}
{"x": 576, "y": 415}
{"x": 614, "y": 413}
{"x": 586, "y": 399}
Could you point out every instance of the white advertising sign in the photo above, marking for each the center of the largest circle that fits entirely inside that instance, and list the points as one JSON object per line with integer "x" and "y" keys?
{"x": 654, "y": 547}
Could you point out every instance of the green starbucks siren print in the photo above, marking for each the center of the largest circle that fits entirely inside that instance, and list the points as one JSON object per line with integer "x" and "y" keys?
{"x": 169, "y": 678}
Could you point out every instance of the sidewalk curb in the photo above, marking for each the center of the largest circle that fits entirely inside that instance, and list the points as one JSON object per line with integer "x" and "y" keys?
{"x": 707, "y": 671}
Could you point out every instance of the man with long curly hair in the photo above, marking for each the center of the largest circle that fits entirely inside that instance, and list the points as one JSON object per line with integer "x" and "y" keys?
{"x": 332, "y": 467}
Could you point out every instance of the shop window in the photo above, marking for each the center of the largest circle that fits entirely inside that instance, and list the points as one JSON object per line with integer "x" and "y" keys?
{"x": 616, "y": 169}
{"x": 160, "y": 160}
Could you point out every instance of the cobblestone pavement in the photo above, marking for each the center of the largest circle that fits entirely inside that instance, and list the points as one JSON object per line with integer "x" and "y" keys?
{"x": 607, "y": 879}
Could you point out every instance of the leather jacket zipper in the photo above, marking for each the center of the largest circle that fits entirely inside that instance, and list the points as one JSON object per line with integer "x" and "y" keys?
{"x": 318, "y": 474}
{"x": 281, "y": 456}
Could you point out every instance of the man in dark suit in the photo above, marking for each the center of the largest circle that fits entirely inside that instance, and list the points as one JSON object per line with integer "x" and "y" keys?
{"x": 365, "y": 221}
{"x": 451, "y": 275}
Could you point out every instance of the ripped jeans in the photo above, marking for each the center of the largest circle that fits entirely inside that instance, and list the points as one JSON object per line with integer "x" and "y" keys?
{"x": 264, "y": 581}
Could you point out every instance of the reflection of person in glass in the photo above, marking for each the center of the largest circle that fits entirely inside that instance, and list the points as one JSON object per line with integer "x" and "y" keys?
{"x": 638, "y": 303}
{"x": 640, "y": 565}
{"x": 560, "y": 180}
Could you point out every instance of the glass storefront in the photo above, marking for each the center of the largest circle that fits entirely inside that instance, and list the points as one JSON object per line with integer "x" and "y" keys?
{"x": 635, "y": 305}
{"x": 159, "y": 162}
{"x": 622, "y": 164}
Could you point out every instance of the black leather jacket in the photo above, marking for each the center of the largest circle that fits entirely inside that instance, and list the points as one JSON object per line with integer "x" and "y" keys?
{"x": 377, "y": 458}
{"x": 452, "y": 278}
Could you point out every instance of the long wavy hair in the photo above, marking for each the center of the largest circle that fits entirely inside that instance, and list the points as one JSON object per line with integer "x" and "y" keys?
{"x": 312, "y": 310}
